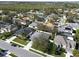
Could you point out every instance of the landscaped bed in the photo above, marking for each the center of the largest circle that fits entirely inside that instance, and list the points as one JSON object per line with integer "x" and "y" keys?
{"x": 13, "y": 55}
{"x": 21, "y": 41}
{"x": 14, "y": 44}
{"x": 5, "y": 35}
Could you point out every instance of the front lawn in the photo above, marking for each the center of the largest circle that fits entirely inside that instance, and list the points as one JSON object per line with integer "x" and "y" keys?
{"x": 21, "y": 41}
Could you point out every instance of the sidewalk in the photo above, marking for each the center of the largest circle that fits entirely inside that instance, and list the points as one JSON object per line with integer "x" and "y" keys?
{"x": 28, "y": 46}
{"x": 11, "y": 39}
{"x": 42, "y": 52}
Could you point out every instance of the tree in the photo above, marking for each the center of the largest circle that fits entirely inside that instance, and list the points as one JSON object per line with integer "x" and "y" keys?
{"x": 52, "y": 48}
{"x": 76, "y": 53}
{"x": 54, "y": 32}
{"x": 77, "y": 36}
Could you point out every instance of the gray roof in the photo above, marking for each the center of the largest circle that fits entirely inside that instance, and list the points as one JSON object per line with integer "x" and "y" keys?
{"x": 43, "y": 35}
{"x": 71, "y": 25}
{"x": 59, "y": 40}
{"x": 74, "y": 25}
{"x": 35, "y": 24}
{"x": 3, "y": 24}
{"x": 27, "y": 31}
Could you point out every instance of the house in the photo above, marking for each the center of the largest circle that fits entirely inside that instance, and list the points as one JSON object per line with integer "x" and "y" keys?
{"x": 22, "y": 21}
{"x": 6, "y": 27}
{"x": 73, "y": 25}
{"x": 66, "y": 42}
{"x": 50, "y": 17}
{"x": 34, "y": 25}
{"x": 13, "y": 28}
{"x": 26, "y": 32}
{"x": 47, "y": 27}
{"x": 70, "y": 44}
{"x": 60, "y": 41}
{"x": 68, "y": 29}
{"x": 42, "y": 34}
{"x": 62, "y": 20}
{"x": 29, "y": 31}
{"x": 20, "y": 15}
{"x": 40, "y": 18}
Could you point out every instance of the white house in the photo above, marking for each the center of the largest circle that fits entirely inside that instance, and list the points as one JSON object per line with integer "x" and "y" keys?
{"x": 5, "y": 27}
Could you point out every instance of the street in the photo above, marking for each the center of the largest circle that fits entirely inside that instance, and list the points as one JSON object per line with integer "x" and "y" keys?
{"x": 18, "y": 51}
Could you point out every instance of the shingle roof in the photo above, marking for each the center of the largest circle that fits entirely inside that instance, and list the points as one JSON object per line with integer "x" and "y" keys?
{"x": 40, "y": 34}
{"x": 71, "y": 25}
{"x": 3, "y": 24}
{"x": 59, "y": 40}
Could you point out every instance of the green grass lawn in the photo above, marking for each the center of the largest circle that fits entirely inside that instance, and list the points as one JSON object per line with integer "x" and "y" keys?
{"x": 13, "y": 55}
{"x": 21, "y": 41}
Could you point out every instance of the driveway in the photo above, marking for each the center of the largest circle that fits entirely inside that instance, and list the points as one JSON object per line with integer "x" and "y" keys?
{"x": 28, "y": 46}
{"x": 18, "y": 51}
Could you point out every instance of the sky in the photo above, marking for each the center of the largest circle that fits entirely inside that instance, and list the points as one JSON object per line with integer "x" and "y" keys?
{"x": 42, "y": 0}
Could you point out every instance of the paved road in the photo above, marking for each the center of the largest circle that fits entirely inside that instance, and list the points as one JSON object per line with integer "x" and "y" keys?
{"x": 18, "y": 51}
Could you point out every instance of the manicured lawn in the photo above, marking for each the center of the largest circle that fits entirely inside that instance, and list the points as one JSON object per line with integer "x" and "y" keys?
{"x": 21, "y": 41}
{"x": 13, "y": 55}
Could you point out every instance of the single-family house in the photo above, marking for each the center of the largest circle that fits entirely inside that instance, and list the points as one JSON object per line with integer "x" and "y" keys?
{"x": 26, "y": 32}
{"x": 6, "y": 27}
{"x": 34, "y": 25}
{"x": 42, "y": 34}
{"x": 60, "y": 41}
{"x": 47, "y": 27}
{"x": 66, "y": 42}
{"x": 68, "y": 29}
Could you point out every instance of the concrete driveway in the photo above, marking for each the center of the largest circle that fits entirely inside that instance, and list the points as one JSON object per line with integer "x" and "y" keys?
{"x": 18, "y": 51}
